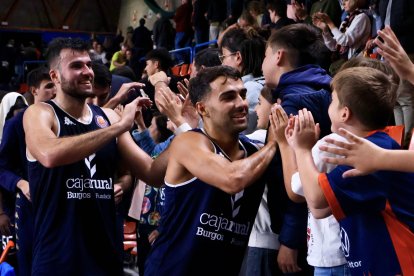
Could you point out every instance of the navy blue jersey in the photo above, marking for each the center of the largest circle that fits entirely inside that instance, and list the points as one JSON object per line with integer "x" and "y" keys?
{"x": 376, "y": 215}
{"x": 74, "y": 208}
{"x": 204, "y": 231}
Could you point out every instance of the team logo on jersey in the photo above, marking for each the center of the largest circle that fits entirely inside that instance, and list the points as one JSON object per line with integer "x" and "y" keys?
{"x": 101, "y": 122}
{"x": 236, "y": 203}
{"x": 89, "y": 164}
{"x": 345, "y": 245}
{"x": 235, "y": 199}
{"x": 68, "y": 122}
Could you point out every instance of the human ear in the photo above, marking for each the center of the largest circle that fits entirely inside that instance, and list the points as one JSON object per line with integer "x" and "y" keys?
{"x": 201, "y": 109}
{"x": 54, "y": 76}
{"x": 345, "y": 114}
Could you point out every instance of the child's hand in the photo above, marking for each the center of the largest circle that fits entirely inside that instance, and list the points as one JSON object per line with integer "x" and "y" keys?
{"x": 302, "y": 133}
{"x": 279, "y": 121}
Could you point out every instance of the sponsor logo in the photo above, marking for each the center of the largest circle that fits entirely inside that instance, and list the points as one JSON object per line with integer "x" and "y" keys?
{"x": 68, "y": 122}
{"x": 219, "y": 224}
{"x": 355, "y": 264}
{"x": 85, "y": 184}
{"x": 345, "y": 245}
{"x": 101, "y": 122}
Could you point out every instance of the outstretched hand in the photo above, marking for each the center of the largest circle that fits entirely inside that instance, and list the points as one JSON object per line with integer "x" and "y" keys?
{"x": 278, "y": 122}
{"x": 128, "y": 115}
{"x": 301, "y": 132}
{"x": 170, "y": 105}
{"x": 354, "y": 154}
{"x": 391, "y": 49}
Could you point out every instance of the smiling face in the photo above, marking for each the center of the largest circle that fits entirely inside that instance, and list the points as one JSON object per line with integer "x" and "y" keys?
{"x": 226, "y": 108}
{"x": 263, "y": 110}
{"x": 74, "y": 75}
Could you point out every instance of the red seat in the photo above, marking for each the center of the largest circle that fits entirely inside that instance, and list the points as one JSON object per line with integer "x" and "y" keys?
{"x": 184, "y": 70}
{"x": 396, "y": 133}
{"x": 175, "y": 70}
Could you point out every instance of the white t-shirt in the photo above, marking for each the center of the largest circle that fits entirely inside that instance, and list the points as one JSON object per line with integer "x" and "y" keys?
{"x": 262, "y": 235}
{"x": 324, "y": 242}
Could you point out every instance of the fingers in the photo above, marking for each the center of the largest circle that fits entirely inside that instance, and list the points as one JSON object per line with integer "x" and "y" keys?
{"x": 290, "y": 268}
{"x": 182, "y": 89}
{"x": 352, "y": 173}
{"x": 333, "y": 150}
{"x": 144, "y": 102}
{"x": 187, "y": 82}
{"x": 350, "y": 136}
{"x": 342, "y": 145}
{"x": 317, "y": 131}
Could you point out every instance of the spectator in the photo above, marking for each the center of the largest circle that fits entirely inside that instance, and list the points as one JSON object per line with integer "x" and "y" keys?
{"x": 164, "y": 33}
{"x": 142, "y": 39}
{"x": 183, "y": 30}
{"x": 350, "y": 39}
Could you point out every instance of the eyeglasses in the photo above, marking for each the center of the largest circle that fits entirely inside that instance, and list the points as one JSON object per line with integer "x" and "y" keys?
{"x": 222, "y": 57}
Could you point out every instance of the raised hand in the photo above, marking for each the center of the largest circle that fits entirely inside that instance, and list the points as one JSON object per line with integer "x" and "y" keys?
{"x": 128, "y": 115}
{"x": 170, "y": 105}
{"x": 279, "y": 121}
{"x": 391, "y": 49}
{"x": 305, "y": 133}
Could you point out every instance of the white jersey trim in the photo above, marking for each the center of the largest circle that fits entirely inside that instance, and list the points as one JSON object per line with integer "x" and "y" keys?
{"x": 83, "y": 123}
{"x": 180, "y": 184}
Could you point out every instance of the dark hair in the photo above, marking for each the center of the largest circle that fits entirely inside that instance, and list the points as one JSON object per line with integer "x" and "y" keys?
{"x": 142, "y": 22}
{"x": 372, "y": 63}
{"x": 266, "y": 93}
{"x": 60, "y": 43}
{"x": 103, "y": 77}
{"x": 279, "y": 6}
{"x": 368, "y": 93}
{"x": 125, "y": 71}
{"x": 251, "y": 47}
{"x": 37, "y": 75}
{"x": 302, "y": 42}
{"x": 161, "y": 123}
{"x": 199, "y": 86}
{"x": 207, "y": 57}
{"x": 162, "y": 56}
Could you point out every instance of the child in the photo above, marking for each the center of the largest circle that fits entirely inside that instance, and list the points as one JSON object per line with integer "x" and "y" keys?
{"x": 324, "y": 242}
{"x": 374, "y": 211}
{"x": 263, "y": 242}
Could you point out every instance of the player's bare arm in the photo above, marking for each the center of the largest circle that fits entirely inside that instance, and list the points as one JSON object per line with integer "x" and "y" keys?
{"x": 192, "y": 156}
{"x": 43, "y": 144}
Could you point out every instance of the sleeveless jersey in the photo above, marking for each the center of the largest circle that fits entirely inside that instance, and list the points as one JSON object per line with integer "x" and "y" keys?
{"x": 203, "y": 230}
{"x": 74, "y": 208}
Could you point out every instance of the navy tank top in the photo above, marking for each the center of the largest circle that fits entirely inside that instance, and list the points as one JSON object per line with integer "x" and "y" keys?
{"x": 203, "y": 230}
{"x": 74, "y": 208}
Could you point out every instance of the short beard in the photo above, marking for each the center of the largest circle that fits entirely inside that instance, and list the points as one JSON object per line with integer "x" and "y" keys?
{"x": 69, "y": 89}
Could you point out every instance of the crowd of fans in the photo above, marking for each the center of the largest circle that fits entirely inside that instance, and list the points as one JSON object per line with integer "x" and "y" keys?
{"x": 282, "y": 73}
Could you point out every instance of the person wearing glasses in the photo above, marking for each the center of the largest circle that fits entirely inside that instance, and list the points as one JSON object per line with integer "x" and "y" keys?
{"x": 243, "y": 49}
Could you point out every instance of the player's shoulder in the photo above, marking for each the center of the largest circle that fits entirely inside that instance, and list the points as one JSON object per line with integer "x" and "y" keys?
{"x": 191, "y": 140}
